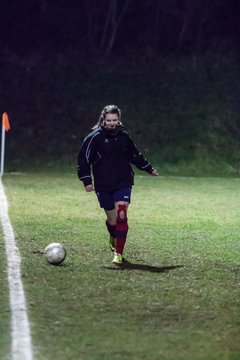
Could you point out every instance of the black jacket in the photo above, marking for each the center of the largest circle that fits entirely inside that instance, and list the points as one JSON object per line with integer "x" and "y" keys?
{"x": 108, "y": 156}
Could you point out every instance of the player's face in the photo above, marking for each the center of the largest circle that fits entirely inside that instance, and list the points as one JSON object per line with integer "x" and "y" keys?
{"x": 111, "y": 121}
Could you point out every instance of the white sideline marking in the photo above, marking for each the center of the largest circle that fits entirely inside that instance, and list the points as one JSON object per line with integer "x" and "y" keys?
{"x": 21, "y": 347}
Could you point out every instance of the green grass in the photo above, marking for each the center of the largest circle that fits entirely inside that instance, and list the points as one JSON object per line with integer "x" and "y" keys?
{"x": 186, "y": 229}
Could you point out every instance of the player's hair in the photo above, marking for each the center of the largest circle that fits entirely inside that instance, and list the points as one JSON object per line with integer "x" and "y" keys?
{"x": 109, "y": 109}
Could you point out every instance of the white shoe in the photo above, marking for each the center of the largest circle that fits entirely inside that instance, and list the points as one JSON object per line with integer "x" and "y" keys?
{"x": 118, "y": 259}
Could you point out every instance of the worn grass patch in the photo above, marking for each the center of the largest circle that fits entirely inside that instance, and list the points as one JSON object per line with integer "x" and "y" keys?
{"x": 177, "y": 298}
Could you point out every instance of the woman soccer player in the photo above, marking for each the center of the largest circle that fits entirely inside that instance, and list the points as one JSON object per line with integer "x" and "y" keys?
{"x": 107, "y": 153}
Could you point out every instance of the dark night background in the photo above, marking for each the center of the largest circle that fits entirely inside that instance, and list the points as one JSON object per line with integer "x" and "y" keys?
{"x": 172, "y": 66}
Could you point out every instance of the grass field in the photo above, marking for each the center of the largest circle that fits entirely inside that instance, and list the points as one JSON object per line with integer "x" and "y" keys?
{"x": 178, "y": 297}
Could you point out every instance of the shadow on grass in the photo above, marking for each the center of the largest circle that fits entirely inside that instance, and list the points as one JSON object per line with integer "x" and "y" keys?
{"x": 126, "y": 265}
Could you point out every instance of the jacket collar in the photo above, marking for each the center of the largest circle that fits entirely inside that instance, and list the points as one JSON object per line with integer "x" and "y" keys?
{"x": 112, "y": 132}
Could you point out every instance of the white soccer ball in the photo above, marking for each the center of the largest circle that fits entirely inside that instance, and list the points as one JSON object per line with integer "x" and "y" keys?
{"x": 55, "y": 253}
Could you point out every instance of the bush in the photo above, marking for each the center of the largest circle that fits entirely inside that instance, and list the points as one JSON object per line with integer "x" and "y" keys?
{"x": 180, "y": 109}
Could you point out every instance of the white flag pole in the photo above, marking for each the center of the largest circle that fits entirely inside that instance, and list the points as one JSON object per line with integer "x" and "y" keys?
{"x": 2, "y": 150}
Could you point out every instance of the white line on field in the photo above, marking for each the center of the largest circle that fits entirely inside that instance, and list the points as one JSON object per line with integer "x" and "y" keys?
{"x": 20, "y": 329}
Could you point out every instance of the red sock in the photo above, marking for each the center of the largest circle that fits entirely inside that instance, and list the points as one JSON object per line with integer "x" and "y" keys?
{"x": 121, "y": 228}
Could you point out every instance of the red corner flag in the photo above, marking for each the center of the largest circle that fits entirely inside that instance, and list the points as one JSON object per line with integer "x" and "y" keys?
{"x": 5, "y": 121}
{"x": 5, "y": 127}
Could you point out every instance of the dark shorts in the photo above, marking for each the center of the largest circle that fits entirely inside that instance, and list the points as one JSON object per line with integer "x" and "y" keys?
{"x": 107, "y": 200}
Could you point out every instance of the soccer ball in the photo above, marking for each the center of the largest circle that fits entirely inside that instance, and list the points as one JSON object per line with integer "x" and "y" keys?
{"x": 55, "y": 253}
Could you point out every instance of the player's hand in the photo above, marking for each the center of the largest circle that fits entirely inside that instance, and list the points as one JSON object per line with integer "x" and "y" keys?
{"x": 89, "y": 188}
{"x": 154, "y": 173}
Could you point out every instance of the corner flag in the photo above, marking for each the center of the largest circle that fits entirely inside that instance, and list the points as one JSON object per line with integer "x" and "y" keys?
{"x": 5, "y": 121}
{"x": 5, "y": 127}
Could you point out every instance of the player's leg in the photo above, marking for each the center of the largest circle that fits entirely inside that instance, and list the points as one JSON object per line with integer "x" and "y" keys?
{"x": 111, "y": 227}
{"x": 121, "y": 208}
{"x": 122, "y": 200}
{"x": 107, "y": 203}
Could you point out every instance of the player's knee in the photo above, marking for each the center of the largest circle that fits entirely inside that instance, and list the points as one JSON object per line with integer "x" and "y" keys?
{"x": 122, "y": 213}
{"x": 111, "y": 221}
{"x": 122, "y": 225}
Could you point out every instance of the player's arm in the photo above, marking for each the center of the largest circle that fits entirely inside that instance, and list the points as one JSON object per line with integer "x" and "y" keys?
{"x": 84, "y": 164}
{"x": 137, "y": 158}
